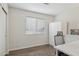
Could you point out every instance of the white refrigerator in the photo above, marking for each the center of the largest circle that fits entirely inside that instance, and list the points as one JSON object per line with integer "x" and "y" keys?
{"x": 53, "y": 28}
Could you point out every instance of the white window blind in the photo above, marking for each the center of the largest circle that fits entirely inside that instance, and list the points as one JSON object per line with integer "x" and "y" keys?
{"x": 34, "y": 25}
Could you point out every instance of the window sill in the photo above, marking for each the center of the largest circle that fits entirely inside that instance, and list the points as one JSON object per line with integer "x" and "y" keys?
{"x": 28, "y": 32}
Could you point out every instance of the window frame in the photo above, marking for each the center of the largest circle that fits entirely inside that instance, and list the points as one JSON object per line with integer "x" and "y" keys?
{"x": 36, "y": 25}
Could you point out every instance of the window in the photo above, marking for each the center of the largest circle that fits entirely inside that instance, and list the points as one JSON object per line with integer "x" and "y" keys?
{"x": 34, "y": 25}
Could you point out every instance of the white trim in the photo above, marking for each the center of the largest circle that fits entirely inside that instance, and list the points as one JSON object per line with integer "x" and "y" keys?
{"x": 27, "y": 46}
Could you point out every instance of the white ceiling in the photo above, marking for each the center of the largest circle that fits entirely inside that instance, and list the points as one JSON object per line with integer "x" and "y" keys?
{"x": 50, "y": 9}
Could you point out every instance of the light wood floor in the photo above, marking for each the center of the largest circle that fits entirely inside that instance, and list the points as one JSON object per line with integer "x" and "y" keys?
{"x": 44, "y": 50}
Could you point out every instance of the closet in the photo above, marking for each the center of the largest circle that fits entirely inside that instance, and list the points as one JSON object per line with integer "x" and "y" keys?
{"x": 53, "y": 29}
{"x": 3, "y": 26}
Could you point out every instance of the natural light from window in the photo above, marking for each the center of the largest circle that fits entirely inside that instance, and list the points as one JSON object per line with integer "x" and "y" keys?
{"x": 34, "y": 25}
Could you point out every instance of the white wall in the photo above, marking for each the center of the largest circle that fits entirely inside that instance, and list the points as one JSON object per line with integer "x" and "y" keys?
{"x": 71, "y": 16}
{"x": 18, "y": 38}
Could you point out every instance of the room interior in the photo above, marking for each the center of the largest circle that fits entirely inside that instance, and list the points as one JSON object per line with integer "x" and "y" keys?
{"x": 39, "y": 29}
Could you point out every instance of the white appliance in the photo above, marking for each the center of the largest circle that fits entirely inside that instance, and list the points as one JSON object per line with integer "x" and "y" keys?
{"x": 53, "y": 28}
{"x": 2, "y": 32}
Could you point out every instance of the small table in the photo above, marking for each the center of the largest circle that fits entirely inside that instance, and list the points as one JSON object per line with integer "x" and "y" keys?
{"x": 71, "y": 49}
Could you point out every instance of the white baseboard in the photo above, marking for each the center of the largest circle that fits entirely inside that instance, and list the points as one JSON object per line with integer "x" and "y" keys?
{"x": 27, "y": 46}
